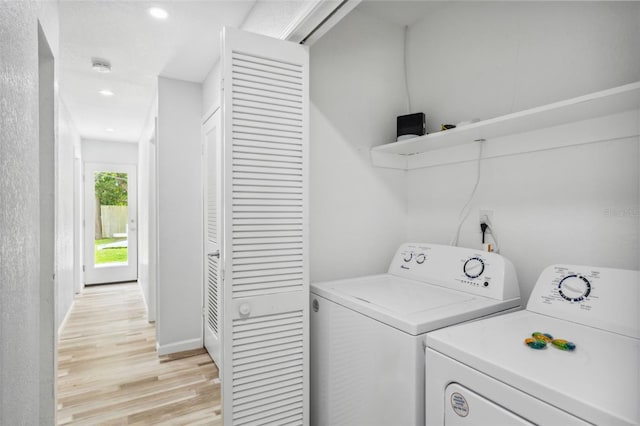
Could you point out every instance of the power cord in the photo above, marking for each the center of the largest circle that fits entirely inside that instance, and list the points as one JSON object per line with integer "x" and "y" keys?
{"x": 406, "y": 78}
{"x": 464, "y": 213}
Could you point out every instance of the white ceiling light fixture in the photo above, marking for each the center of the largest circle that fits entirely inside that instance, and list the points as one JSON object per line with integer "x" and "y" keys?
{"x": 158, "y": 13}
{"x": 109, "y": 129}
{"x": 106, "y": 92}
{"x": 100, "y": 65}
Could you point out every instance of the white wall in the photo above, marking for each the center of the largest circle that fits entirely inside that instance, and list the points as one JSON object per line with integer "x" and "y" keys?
{"x": 78, "y": 212}
{"x": 48, "y": 141}
{"x": 570, "y": 205}
{"x": 211, "y": 89}
{"x": 358, "y": 212}
{"x": 480, "y": 60}
{"x": 476, "y": 60}
{"x": 179, "y": 151}
{"x": 147, "y": 211}
{"x": 26, "y": 367}
{"x": 94, "y": 151}
{"x": 68, "y": 140}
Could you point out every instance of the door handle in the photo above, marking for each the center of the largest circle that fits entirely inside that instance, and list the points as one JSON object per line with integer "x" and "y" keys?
{"x": 214, "y": 254}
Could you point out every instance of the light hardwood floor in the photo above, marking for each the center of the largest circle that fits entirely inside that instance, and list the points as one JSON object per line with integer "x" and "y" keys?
{"x": 109, "y": 372}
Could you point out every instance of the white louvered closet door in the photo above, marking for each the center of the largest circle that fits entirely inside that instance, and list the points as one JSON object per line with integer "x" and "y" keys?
{"x": 212, "y": 194}
{"x": 265, "y": 377}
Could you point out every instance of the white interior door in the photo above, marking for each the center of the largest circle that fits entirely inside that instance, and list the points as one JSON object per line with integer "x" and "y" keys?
{"x": 265, "y": 370}
{"x": 211, "y": 291}
{"x": 110, "y": 223}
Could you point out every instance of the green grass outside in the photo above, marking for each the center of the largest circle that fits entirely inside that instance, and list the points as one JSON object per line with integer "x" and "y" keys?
{"x": 110, "y": 255}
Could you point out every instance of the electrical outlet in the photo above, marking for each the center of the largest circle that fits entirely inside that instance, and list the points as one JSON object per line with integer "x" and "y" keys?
{"x": 484, "y": 216}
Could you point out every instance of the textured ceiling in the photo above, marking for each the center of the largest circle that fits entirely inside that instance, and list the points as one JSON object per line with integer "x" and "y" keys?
{"x": 400, "y": 12}
{"x": 139, "y": 47}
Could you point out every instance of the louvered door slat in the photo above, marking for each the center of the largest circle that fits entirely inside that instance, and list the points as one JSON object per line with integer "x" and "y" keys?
{"x": 267, "y": 153}
{"x": 252, "y": 132}
{"x": 248, "y": 103}
{"x": 267, "y": 79}
{"x": 212, "y": 297}
{"x": 257, "y": 405}
{"x": 246, "y": 135}
{"x": 267, "y": 282}
{"x": 258, "y": 259}
{"x": 245, "y": 108}
{"x": 266, "y": 91}
{"x": 260, "y": 153}
{"x": 271, "y": 178}
{"x": 259, "y": 266}
{"x": 253, "y": 393}
{"x": 268, "y": 415}
{"x": 253, "y": 249}
{"x": 250, "y": 355}
{"x": 255, "y": 117}
{"x": 265, "y": 110}
{"x": 266, "y": 64}
{"x": 249, "y": 255}
{"x": 271, "y": 370}
{"x": 252, "y": 191}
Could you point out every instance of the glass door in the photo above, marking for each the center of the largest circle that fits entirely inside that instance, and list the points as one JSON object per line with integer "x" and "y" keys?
{"x": 110, "y": 223}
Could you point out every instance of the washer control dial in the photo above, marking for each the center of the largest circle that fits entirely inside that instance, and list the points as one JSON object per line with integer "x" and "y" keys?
{"x": 574, "y": 288}
{"x": 408, "y": 257}
{"x": 473, "y": 267}
{"x": 420, "y": 258}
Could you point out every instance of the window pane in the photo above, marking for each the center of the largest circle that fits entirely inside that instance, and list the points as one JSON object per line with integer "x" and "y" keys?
{"x": 111, "y": 220}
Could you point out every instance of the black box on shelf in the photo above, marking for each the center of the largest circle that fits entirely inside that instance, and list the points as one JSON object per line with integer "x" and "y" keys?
{"x": 411, "y": 125}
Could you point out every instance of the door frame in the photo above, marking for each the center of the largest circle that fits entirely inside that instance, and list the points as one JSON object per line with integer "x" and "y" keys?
{"x": 46, "y": 233}
{"x": 115, "y": 273}
{"x": 212, "y": 122}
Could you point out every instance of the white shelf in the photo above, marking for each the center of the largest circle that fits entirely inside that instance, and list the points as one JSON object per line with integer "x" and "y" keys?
{"x": 607, "y": 102}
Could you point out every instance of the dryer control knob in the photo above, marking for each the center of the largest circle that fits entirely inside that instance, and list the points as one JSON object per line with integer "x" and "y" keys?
{"x": 473, "y": 267}
{"x": 420, "y": 258}
{"x": 408, "y": 257}
{"x": 574, "y": 288}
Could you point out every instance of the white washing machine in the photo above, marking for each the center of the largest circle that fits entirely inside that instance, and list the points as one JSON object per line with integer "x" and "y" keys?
{"x": 483, "y": 373}
{"x": 368, "y": 333}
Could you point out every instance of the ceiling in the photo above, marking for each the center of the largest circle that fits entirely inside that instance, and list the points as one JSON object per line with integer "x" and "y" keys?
{"x": 184, "y": 46}
{"x": 400, "y": 12}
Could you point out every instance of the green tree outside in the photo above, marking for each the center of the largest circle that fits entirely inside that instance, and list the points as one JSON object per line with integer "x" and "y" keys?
{"x": 111, "y": 190}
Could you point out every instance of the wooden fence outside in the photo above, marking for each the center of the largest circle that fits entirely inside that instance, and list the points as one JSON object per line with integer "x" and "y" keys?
{"x": 114, "y": 220}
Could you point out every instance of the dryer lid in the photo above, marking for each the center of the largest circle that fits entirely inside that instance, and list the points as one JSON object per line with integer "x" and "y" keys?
{"x": 597, "y": 382}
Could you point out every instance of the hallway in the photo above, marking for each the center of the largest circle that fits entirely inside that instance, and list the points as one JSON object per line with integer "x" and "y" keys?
{"x": 109, "y": 372}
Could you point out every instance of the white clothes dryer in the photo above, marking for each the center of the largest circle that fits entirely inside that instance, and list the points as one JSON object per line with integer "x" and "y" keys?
{"x": 368, "y": 333}
{"x": 483, "y": 373}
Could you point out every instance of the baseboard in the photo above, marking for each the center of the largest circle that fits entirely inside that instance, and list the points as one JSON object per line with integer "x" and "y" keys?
{"x": 66, "y": 317}
{"x": 185, "y": 345}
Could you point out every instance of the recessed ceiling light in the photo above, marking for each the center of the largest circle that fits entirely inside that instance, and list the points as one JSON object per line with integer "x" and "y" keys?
{"x": 109, "y": 129}
{"x": 100, "y": 65}
{"x": 106, "y": 92}
{"x": 158, "y": 13}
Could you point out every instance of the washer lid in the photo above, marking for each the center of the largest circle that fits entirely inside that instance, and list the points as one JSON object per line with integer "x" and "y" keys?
{"x": 412, "y": 306}
{"x": 598, "y": 382}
